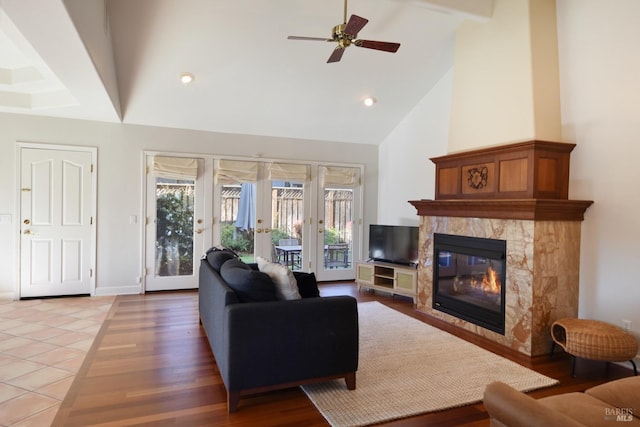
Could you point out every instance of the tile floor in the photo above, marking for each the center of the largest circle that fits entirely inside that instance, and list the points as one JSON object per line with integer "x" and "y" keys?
{"x": 43, "y": 343}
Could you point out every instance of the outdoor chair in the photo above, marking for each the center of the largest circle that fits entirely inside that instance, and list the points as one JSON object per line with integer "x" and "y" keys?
{"x": 288, "y": 242}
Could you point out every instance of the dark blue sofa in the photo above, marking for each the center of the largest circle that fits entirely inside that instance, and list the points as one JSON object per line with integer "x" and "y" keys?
{"x": 268, "y": 345}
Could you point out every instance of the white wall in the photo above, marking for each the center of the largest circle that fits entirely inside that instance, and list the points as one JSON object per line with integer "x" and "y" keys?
{"x": 600, "y": 91}
{"x": 120, "y": 152}
{"x": 405, "y": 171}
{"x": 493, "y": 85}
{"x": 506, "y": 77}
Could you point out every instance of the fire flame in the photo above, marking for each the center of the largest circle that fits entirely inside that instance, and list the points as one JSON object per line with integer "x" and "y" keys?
{"x": 491, "y": 281}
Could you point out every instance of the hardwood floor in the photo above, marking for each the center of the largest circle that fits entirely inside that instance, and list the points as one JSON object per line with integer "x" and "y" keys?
{"x": 151, "y": 366}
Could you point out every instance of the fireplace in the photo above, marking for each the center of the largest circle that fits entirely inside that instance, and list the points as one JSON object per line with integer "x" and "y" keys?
{"x": 469, "y": 274}
{"x": 515, "y": 194}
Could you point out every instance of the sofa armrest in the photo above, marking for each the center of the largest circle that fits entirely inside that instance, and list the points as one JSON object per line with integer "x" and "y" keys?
{"x": 287, "y": 341}
{"x": 509, "y": 407}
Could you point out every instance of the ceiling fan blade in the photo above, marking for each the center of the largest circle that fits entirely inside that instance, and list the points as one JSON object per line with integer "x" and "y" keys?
{"x": 355, "y": 24}
{"x": 373, "y": 44}
{"x": 336, "y": 55}
{"x": 320, "y": 39}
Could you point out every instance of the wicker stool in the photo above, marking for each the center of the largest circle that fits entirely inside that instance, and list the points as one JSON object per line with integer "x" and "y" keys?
{"x": 593, "y": 339}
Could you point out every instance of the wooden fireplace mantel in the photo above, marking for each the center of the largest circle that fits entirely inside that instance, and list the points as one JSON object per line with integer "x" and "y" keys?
{"x": 521, "y": 209}
{"x": 526, "y": 180}
{"x": 524, "y": 170}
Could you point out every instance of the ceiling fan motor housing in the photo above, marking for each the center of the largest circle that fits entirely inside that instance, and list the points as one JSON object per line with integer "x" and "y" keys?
{"x": 343, "y": 39}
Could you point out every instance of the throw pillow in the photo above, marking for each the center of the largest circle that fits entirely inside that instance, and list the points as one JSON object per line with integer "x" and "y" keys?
{"x": 216, "y": 258}
{"x": 248, "y": 284}
{"x": 307, "y": 284}
{"x": 286, "y": 285}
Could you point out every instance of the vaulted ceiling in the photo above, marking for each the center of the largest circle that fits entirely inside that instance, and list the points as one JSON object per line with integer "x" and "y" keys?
{"x": 120, "y": 61}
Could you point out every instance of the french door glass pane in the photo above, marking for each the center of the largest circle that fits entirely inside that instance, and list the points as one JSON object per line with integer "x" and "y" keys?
{"x": 287, "y": 216}
{"x": 174, "y": 227}
{"x": 338, "y": 228}
{"x": 238, "y": 218}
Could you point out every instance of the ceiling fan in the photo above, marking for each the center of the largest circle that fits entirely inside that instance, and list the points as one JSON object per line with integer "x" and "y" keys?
{"x": 345, "y": 35}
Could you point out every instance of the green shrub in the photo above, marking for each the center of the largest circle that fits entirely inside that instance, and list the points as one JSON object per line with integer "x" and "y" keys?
{"x": 331, "y": 236}
{"x": 236, "y": 239}
{"x": 277, "y": 234}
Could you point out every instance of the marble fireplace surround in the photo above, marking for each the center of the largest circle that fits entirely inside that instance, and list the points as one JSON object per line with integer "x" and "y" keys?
{"x": 543, "y": 243}
{"x": 542, "y": 275}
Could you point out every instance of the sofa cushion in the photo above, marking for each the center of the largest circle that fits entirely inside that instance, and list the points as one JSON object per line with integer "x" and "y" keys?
{"x": 217, "y": 257}
{"x": 307, "y": 284}
{"x": 283, "y": 278}
{"x": 249, "y": 285}
{"x": 582, "y": 408}
{"x": 623, "y": 393}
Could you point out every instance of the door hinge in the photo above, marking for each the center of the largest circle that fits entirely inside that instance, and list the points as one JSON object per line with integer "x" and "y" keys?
{"x": 91, "y": 272}
{"x": 91, "y": 220}
{"x": 91, "y": 167}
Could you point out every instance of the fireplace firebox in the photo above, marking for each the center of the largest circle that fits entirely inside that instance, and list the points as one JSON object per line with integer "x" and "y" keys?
{"x": 469, "y": 278}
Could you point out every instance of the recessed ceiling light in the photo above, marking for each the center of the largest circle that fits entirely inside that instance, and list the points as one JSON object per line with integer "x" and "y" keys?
{"x": 187, "y": 78}
{"x": 369, "y": 101}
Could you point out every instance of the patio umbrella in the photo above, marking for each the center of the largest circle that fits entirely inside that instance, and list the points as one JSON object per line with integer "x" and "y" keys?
{"x": 246, "y": 218}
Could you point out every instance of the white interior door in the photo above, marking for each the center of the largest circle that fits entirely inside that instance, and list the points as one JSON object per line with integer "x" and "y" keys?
{"x": 177, "y": 224}
{"x": 56, "y": 215}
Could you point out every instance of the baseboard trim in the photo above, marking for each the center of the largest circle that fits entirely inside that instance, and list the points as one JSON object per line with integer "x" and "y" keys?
{"x": 8, "y": 296}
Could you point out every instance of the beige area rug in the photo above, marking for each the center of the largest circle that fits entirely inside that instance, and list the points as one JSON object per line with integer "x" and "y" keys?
{"x": 408, "y": 368}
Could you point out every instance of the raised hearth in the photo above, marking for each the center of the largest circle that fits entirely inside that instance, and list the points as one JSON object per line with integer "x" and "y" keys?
{"x": 489, "y": 193}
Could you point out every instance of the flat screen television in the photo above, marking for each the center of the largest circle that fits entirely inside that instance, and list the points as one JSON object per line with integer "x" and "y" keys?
{"x": 396, "y": 244}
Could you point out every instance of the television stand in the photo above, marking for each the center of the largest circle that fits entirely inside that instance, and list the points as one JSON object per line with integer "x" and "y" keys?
{"x": 386, "y": 277}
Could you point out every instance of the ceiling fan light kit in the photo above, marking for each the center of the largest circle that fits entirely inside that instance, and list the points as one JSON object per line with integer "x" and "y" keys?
{"x": 346, "y": 34}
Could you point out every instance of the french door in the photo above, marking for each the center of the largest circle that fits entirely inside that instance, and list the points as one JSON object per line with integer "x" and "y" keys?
{"x": 285, "y": 210}
{"x": 339, "y": 224}
{"x": 177, "y": 222}
{"x": 57, "y": 215}
{"x": 306, "y": 217}
{"x": 261, "y": 209}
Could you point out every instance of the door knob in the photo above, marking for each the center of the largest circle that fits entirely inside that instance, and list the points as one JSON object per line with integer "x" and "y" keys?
{"x": 199, "y": 230}
{"x": 27, "y": 232}
{"x": 26, "y": 222}
{"x": 320, "y": 230}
